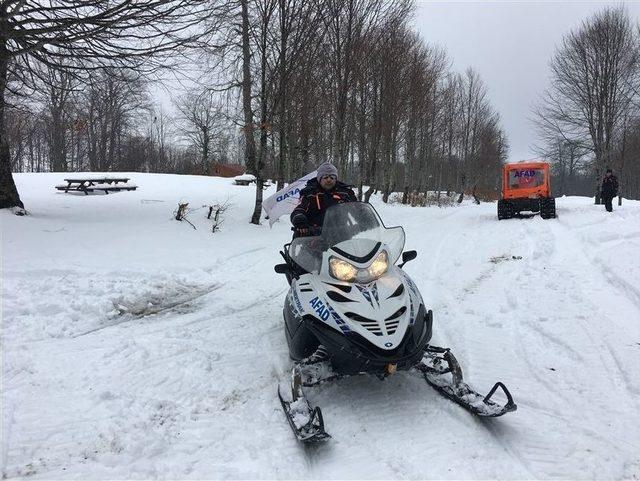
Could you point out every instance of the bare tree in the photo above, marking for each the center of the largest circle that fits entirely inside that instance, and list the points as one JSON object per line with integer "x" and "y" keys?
{"x": 300, "y": 35}
{"x": 567, "y": 158}
{"x": 112, "y": 102}
{"x": 20, "y": 125}
{"x": 473, "y": 107}
{"x": 201, "y": 118}
{"x": 78, "y": 36}
{"x": 159, "y": 133}
{"x": 57, "y": 87}
{"x": 253, "y": 165}
{"x": 347, "y": 22}
{"x": 594, "y": 78}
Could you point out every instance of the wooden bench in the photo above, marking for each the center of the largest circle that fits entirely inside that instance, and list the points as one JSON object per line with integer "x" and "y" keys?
{"x": 106, "y": 184}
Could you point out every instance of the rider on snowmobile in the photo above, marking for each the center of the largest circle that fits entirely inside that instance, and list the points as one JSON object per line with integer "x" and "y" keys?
{"x": 316, "y": 197}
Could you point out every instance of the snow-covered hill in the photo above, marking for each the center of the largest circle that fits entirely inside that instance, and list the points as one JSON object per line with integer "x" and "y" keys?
{"x": 135, "y": 347}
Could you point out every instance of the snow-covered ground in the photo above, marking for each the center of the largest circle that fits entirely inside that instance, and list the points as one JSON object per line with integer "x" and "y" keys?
{"x": 135, "y": 347}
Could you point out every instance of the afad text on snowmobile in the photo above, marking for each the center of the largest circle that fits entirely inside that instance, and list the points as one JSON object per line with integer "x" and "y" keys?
{"x": 350, "y": 310}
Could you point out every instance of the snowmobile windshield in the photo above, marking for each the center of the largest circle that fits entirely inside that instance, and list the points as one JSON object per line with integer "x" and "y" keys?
{"x": 351, "y": 221}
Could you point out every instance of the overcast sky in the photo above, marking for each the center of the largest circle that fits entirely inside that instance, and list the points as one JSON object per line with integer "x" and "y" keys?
{"x": 509, "y": 44}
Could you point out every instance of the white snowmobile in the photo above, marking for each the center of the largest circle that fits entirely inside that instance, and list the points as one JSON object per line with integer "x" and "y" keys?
{"x": 351, "y": 311}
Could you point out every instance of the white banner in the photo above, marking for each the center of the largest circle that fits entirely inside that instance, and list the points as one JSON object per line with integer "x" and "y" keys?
{"x": 285, "y": 200}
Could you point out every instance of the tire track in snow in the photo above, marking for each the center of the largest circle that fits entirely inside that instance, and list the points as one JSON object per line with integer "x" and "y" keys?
{"x": 547, "y": 268}
{"x": 247, "y": 309}
{"x": 628, "y": 290}
{"x": 560, "y": 230}
{"x": 161, "y": 307}
{"x": 527, "y": 323}
{"x": 495, "y": 273}
{"x": 453, "y": 300}
{"x": 610, "y": 240}
{"x": 613, "y": 363}
{"x": 542, "y": 269}
{"x": 534, "y": 340}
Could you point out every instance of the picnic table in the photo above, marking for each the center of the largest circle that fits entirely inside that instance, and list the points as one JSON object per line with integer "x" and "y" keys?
{"x": 244, "y": 179}
{"x": 247, "y": 179}
{"x": 106, "y": 184}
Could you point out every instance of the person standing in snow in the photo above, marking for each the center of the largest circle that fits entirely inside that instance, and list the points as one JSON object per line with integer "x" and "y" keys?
{"x": 609, "y": 189}
{"x": 316, "y": 197}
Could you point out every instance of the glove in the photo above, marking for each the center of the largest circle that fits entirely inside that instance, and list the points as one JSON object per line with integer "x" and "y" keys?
{"x": 300, "y": 221}
{"x": 307, "y": 231}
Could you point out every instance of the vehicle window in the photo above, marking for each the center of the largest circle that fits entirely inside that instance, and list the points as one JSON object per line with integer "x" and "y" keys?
{"x": 525, "y": 178}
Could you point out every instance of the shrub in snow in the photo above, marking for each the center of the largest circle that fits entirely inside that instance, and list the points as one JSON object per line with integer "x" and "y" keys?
{"x": 421, "y": 199}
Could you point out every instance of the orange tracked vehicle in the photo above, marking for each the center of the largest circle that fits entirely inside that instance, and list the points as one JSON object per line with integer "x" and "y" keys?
{"x": 526, "y": 187}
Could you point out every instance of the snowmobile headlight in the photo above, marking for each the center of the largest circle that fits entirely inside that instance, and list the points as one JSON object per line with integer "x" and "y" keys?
{"x": 347, "y": 272}
{"x": 342, "y": 270}
{"x": 379, "y": 266}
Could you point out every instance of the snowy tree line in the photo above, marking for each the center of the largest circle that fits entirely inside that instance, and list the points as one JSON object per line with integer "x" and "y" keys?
{"x": 109, "y": 123}
{"x": 280, "y": 85}
{"x": 367, "y": 93}
{"x": 589, "y": 119}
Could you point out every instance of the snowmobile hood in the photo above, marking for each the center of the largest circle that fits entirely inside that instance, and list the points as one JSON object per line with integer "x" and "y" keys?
{"x": 380, "y": 312}
{"x": 352, "y": 283}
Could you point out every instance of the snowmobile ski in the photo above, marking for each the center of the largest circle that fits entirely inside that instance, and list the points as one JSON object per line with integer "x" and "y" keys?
{"x": 442, "y": 371}
{"x": 317, "y": 372}
{"x": 306, "y": 422}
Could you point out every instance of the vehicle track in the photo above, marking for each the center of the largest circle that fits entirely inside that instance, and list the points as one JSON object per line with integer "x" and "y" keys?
{"x": 554, "y": 257}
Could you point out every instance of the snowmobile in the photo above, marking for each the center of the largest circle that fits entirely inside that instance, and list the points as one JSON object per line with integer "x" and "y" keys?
{"x": 351, "y": 310}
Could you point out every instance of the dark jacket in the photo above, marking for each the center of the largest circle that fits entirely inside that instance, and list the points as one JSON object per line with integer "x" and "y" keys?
{"x": 314, "y": 201}
{"x": 610, "y": 186}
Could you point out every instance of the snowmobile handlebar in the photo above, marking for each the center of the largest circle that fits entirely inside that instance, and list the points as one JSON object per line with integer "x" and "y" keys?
{"x": 307, "y": 231}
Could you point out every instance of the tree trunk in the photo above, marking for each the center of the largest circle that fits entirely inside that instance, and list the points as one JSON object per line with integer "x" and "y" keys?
{"x": 9, "y": 196}
{"x": 369, "y": 193}
{"x": 386, "y": 192}
{"x": 473, "y": 194}
{"x": 257, "y": 211}
{"x": 463, "y": 185}
{"x": 598, "y": 199}
{"x": 58, "y": 154}
{"x": 282, "y": 158}
{"x": 250, "y": 150}
{"x": 205, "y": 151}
